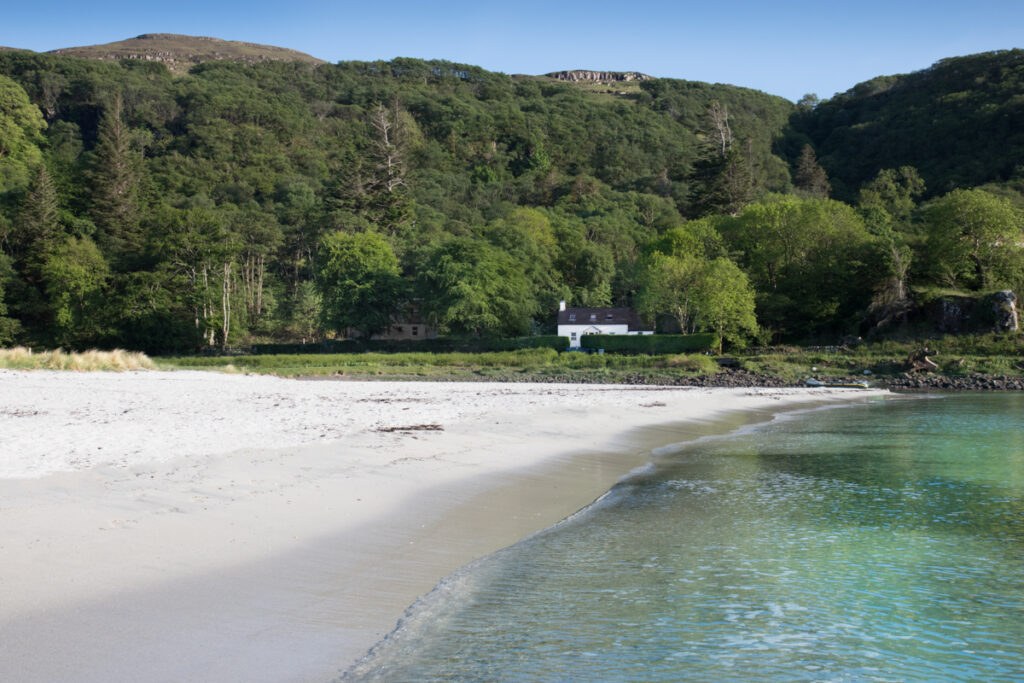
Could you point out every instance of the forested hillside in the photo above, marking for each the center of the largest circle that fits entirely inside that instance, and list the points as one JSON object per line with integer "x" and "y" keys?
{"x": 293, "y": 201}
{"x": 960, "y": 123}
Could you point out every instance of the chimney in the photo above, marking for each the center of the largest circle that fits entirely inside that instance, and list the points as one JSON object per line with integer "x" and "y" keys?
{"x": 561, "y": 305}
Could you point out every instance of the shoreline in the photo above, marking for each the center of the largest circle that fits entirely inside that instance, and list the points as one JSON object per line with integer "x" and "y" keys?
{"x": 174, "y": 568}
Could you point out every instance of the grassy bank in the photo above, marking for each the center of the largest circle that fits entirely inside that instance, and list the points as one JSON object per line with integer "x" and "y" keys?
{"x": 957, "y": 357}
{"x": 21, "y": 358}
{"x": 539, "y": 364}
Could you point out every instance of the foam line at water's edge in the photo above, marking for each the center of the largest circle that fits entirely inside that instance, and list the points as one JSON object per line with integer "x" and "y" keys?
{"x": 427, "y": 606}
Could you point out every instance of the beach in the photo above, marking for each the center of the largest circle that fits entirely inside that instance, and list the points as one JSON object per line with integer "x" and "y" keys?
{"x": 203, "y": 526}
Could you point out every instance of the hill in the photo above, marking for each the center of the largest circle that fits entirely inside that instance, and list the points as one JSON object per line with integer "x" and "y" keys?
{"x": 959, "y": 122}
{"x": 180, "y": 52}
{"x": 241, "y": 201}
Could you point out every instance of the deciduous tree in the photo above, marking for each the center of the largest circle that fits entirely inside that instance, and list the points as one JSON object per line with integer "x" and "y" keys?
{"x": 471, "y": 287}
{"x": 21, "y": 127}
{"x": 359, "y": 280}
{"x": 975, "y": 240}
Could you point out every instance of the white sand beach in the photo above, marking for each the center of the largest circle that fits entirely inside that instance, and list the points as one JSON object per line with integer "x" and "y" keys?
{"x": 172, "y": 526}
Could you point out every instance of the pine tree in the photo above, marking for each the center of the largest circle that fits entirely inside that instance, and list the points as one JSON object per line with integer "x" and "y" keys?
{"x": 810, "y": 176}
{"x": 721, "y": 181}
{"x": 37, "y": 226}
{"x": 115, "y": 177}
{"x": 720, "y": 184}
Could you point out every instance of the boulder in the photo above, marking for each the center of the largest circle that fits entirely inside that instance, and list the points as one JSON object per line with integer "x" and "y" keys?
{"x": 1004, "y": 308}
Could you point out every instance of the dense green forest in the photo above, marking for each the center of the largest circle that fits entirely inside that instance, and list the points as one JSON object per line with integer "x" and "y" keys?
{"x": 289, "y": 201}
{"x": 960, "y": 123}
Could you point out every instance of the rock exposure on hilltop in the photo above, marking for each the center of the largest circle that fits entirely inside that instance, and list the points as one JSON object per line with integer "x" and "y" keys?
{"x": 180, "y": 53}
{"x": 577, "y": 75}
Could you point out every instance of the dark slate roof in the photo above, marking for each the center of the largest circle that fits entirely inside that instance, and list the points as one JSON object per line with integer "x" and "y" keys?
{"x": 601, "y": 316}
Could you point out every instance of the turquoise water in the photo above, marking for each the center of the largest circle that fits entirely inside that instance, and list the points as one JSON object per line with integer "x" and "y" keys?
{"x": 876, "y": 542}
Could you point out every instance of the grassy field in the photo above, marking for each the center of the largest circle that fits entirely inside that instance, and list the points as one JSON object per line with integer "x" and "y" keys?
{"x": 958, "y": 356}
{"x": 525, "y": 364}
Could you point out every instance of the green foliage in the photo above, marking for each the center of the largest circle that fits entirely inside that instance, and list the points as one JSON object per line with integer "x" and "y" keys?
{"x": 975, "y": 240}
{"x": 959, "y": 122}
{"x": 211, "y": 199}
{"x": 893, "y": 192}
{"x": 8, "y": 326}
{"x": 358, "y": 277}
{"x": 725, "y": 302}
{"x": 307, "y": 311}
{"x": 21, "y": 127}
{"x": 37, "y": 227}
{"x": 75, "y": 274}
{"x": 809, "y": 261}
{"x": 720, "y": 184}
{"x": 651, "y": 343}
{"x": 115, "y": 178}
{"x": 471, "y": 287}
{"x": 810, "y": 178}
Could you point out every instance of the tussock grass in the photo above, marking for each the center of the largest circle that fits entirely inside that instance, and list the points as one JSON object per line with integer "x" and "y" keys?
{"x": 21, "y": 358}
{"x": 699, "y": 364}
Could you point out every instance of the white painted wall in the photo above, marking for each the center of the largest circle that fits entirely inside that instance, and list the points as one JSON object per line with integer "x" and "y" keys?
{"x": 574, "y": 332}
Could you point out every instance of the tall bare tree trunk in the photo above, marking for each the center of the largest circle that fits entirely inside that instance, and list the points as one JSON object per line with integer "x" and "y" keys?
{"x": 719, "y": 116}
{"x": 225, "y": 305}
{"x": 208, "y": 334}
{"x": 261, "y": 269}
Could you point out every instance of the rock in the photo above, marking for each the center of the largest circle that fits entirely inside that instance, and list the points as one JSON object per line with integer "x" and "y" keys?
{"x": 1004, "y": 308}
{"x": 577, "y": 75}
{"x": 953, "y": 314}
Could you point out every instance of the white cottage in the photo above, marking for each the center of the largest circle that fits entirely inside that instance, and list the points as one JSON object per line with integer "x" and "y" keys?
{"x": 576, "y": 322}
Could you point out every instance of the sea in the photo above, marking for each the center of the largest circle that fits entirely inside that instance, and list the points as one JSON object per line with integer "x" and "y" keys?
{"x": 882, "y": 541}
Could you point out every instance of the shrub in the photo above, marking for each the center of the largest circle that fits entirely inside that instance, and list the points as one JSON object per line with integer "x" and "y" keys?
{"x": 698, "y": 363}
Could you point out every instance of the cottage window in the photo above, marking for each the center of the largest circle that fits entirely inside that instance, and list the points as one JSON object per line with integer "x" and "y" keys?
{"x": 398, "y": 329}
{"x": 415, "y": 331}
{"x": 593, "y": 317}
{"x": 572, "y": 317}
{"x": 573, "y": 335}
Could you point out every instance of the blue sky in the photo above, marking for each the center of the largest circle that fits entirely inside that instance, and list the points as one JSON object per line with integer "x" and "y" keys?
{"x": 784, "y": 48}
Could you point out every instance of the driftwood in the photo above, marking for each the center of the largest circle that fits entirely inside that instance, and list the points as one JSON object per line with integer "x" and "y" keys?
{"x": 919, "y": 360}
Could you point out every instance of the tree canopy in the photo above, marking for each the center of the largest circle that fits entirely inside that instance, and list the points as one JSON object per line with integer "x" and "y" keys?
{"x": 280, "y": 201}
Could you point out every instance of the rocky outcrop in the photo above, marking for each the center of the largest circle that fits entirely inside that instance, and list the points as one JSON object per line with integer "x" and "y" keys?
{"x": 1004, "y": 308}
{"x": 952, "y": 314}
{"x": 966, "y": 314}
{"x": 579, "y": 75}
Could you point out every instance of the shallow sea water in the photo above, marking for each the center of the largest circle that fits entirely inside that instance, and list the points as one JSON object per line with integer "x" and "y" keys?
{"x": 882, "y": 541}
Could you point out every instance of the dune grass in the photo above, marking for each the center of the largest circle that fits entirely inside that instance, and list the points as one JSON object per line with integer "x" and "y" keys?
{"x": 21, "y": 358}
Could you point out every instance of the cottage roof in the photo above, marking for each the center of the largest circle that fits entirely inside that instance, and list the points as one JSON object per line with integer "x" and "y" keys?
{"x": 601, "y": 316}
